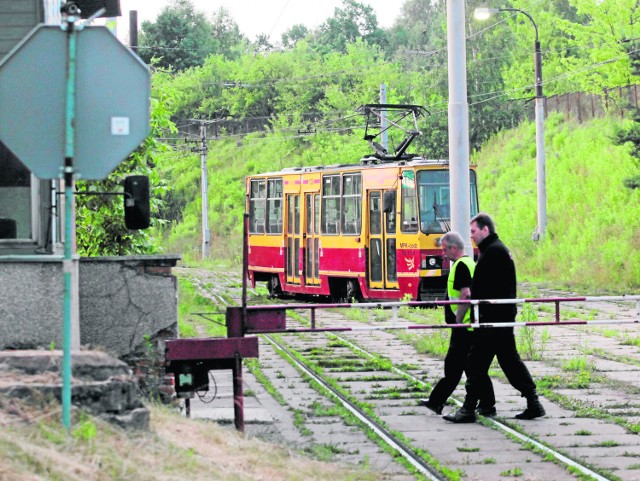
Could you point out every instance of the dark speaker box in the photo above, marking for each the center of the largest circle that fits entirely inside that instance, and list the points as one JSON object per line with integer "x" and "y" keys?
{"x": 137, "y": 213}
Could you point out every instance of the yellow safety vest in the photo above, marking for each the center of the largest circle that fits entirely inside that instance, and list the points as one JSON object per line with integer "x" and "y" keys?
{"x": 455, "y": 294}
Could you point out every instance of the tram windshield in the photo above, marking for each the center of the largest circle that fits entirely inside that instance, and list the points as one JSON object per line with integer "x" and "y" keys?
{"x": 434, "y": 200}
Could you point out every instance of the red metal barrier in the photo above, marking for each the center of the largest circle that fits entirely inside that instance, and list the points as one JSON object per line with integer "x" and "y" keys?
{"x": 190, "y": 361}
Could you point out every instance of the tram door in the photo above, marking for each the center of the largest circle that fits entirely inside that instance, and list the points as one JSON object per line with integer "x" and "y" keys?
{"x": 293, "y": 236}
{"x": 311, "y": 239}
{"x": 382, "y": 240}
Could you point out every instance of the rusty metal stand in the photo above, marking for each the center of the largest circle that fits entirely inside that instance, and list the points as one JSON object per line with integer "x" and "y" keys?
{"x": 238, "y": 395}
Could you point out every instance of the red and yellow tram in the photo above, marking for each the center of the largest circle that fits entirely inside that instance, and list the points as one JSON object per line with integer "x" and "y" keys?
{"x": 370, "y": 230}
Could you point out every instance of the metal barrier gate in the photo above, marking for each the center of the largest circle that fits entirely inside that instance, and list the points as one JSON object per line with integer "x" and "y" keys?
{"x": 190, "y": 360}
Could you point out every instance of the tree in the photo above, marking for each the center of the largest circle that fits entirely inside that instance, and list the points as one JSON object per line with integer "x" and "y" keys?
{"x": 293, "y": 35}
{"x": 263, "y": 44}
{"x": 607, "y": 24}
{"x": 100, "y": 229}
{"x": 583, "y": 43}
{"x": 180, "y": 38}
{"x": 631, "y": 135}
{"x": 225, "y": 32}
{"x": 418, "y": 39}
{"x": 421, "y": 25}
{"x": 353, "y": 21}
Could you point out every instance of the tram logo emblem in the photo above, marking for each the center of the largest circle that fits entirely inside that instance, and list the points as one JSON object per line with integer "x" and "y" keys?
{"x": 411, "y": 263}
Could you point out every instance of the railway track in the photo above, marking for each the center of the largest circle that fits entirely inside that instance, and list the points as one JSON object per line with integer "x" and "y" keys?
{"x": 593, "y": 408}
{"x": 383, "y": 434}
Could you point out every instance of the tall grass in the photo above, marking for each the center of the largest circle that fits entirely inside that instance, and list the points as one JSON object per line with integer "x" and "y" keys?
{"x": 229, "y": 162}
{"x": 34, "y": 445}
{"x": 593, "y": 220}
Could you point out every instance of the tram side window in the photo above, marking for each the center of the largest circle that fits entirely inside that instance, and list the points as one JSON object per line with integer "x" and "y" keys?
{"x": 316, "y": 213}
{"x": 352, "y": 203}
{"x": 274, "y": 206}
{"x": 330, "y": 204}
{"x": 409, "y": 215}
{"x": 257, "y": 211}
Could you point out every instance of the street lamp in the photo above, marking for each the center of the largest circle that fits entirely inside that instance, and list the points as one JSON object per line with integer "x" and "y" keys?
{"x": 483, "y": 14}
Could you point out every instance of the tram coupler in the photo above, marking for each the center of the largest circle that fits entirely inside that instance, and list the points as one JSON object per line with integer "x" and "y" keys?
{"x": 190, "y": 361}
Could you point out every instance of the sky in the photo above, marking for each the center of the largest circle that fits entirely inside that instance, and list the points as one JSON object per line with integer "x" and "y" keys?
{"x": 272, "y": 17}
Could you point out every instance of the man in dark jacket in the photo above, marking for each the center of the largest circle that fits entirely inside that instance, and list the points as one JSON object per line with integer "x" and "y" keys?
{"x": 494, "y": 278}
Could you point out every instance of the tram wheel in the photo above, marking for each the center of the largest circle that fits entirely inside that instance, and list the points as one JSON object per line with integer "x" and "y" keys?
{"x": 273, "y": 285}
{"x": 351, "y": 291}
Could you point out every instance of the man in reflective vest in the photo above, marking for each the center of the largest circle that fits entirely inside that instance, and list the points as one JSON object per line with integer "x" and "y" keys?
{"x": 455, "y": 362}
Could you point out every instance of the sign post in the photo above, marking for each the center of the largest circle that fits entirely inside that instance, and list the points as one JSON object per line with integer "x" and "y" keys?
{"x": 69, "y": 231}
{"x": 94, "y": 94}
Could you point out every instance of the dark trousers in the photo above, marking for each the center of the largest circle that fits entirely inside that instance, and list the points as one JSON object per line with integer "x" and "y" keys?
{"x": 500, "y": 343}
{"x": 455, "y": 363}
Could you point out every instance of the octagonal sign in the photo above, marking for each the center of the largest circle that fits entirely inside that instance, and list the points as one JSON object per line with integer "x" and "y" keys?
{"x": 111, "y": 102}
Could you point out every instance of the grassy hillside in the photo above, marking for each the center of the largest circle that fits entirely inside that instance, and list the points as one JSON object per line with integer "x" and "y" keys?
{"x": 593, "y": 220}
{"x": 230, "y": 160}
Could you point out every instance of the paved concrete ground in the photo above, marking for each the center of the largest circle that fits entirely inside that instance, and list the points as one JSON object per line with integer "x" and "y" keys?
{"x": 268, "y": 420}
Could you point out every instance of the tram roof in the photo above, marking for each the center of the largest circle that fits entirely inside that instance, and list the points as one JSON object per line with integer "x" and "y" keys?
{"x": 365, "y": 163}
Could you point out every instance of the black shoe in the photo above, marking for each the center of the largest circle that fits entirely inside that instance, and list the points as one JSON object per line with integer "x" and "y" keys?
{"x": 487, "y": 412}
{"x": 534, "y": 410}
{"x": 460, "y": 416}
{"x": 436, "y": 408}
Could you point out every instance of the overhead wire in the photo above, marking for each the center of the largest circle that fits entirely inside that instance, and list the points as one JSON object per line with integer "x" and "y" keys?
{"x": 489, "y": 95}
{"x": 433, "y": 107}
{"x": 275, "y": 24}
{"x": 502, "y": 93}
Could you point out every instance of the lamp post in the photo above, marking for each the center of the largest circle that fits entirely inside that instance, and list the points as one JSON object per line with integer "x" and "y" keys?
{"x": 483, "y": 14}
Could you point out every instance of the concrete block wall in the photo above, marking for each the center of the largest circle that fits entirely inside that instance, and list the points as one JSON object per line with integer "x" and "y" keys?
{"x": 126, "y": 301}
{"x": 123, "y": 302}
{"x": 31, "y": 299}
{"x": 127, "y": 307}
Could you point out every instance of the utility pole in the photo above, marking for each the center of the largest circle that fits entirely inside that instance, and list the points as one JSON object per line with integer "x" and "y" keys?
{"x": 541, "y": 176}
{"x": 458, "y": 123}
{"x": 206, "y": 233}
{"x": 541, "y": 229}
{"x": 383, "y": 118}
{"x": 204, "y": 188}
{"x": 133, "y": 31}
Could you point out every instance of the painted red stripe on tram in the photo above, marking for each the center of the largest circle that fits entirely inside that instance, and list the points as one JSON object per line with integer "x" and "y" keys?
{"x": 271, "y": 257}
{"x": 343, "y": 260}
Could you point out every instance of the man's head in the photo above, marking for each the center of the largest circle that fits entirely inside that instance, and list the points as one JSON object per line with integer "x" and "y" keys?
{"x": 481, "y": 227}
{"x": 452, "y": 246}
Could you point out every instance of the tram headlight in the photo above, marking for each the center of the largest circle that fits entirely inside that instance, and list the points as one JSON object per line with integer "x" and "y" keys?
{"x": 430, "y": 262}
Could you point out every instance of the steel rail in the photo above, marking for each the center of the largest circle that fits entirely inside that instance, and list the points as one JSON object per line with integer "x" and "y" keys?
{"x": 497, "y": 424}
{"x": 416, "y": 461}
